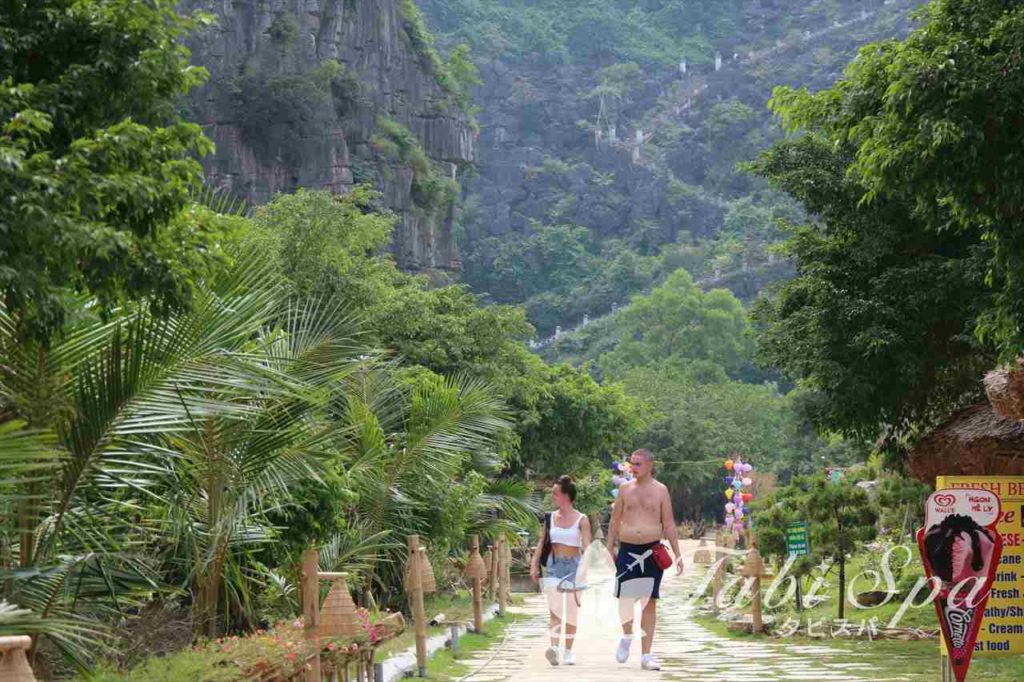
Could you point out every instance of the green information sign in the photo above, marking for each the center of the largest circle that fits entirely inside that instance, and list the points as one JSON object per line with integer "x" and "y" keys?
{"x": 797, "y": 541}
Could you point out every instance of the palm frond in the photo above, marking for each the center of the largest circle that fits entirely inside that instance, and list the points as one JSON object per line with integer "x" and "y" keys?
{"x": 220, "y": 200}
{"x": 78, "y": 639}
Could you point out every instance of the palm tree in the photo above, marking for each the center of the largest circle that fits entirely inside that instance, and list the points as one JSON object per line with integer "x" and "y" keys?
{"x": 237, "y": 463}
{"x": 80, "y": 419}
{"x": 414, "y": 452}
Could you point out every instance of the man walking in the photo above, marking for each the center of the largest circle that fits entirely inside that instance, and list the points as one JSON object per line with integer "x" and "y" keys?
{"x": 641, "y": 517}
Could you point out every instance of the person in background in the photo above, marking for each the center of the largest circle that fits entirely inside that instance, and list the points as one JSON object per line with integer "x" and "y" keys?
{"x": 565, "y": 536}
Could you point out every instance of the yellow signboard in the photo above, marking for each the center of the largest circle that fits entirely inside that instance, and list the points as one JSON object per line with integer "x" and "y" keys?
{"x": 1002, "y": 631}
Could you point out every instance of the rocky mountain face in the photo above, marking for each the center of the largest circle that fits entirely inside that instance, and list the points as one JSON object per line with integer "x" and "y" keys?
{"x": 634, "y": 130}
{"x": 328, "y": 93}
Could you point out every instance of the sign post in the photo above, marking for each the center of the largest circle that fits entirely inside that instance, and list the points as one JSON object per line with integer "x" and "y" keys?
{"x": 798, "y": 542}
{"x": 960, "y": 550}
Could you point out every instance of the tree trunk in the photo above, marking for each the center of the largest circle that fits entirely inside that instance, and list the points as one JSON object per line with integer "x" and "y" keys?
{"x": 842, "y": 585}
{"x": 28, "y": 507}
{"x": 209, "y": 579}
{"x": 207, "y": 601}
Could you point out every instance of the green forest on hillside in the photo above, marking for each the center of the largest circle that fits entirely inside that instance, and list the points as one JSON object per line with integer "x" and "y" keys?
{"x": 789, "y": 250}
{"x": 582, "y": 227}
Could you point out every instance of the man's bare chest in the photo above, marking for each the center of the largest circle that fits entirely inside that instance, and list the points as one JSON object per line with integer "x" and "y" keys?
{"x": 636, "y": 503}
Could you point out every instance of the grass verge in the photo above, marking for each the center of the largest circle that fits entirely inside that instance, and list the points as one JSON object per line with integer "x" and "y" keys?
{"x": 445, "y": 666}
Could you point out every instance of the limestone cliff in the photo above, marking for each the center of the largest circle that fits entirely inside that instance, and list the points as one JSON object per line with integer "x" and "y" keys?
{"x": 328, "y": 93}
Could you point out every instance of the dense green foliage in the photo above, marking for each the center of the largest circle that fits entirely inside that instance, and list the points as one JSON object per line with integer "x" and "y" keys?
{"x": 275, "y": 110}
{"x": 574, "y": 84}
{"x": 935, "y": 121}
{"x": 879, "y": 317}
{"x": 686, "y": 357}
{"x": 678, "y": 326}
{"x": 562, "y": 31}
{"x": 95, "y": 165}
{"x": 329, "y": 244}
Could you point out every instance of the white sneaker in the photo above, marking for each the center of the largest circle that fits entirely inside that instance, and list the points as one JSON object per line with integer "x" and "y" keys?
{"x": 552, "y": 655}
{"x": 649, "y": 662}
{"x": 569, "y": 658}
{"x": 622, "y": 653}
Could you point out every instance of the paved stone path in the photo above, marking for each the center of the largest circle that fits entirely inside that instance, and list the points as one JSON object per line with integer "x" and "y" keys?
{"x": 687, "y": 650}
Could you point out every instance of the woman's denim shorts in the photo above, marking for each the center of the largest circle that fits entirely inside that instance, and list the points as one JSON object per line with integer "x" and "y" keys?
{"x": 562, "y": 570}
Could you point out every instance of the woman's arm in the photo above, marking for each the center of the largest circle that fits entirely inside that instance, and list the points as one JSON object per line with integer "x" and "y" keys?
{"x": 535, "y": 562}
{"x": 585, "y": 534}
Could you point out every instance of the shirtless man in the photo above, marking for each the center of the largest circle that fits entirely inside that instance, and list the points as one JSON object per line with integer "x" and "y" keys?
{"x": 641, "y": 517}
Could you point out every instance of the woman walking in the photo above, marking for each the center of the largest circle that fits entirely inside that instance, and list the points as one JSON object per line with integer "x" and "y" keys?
{"x": 564, "y": 538}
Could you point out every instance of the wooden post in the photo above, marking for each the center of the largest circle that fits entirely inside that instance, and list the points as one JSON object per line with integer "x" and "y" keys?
{"x": 716, "y": 579}
{"x": 508, "y": 572}
{"x": 492, "y": 574}
{"x": 478, "y": 609}
{"x": 753, "y": 568}
{"x": 419, "y": 615}
{"x": 14, "y": 665}
{"x": 501, "y": 584}
{"x": 310, "y": 581}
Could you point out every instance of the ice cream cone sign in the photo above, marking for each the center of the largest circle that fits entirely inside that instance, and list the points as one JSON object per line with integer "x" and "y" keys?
{"x": 960, "y": 549}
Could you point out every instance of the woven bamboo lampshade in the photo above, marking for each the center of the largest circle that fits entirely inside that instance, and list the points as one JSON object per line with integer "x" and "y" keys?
{"x": 1005, "y": 389}
{"x": 475, "y": 567}
{"x": 14, "y": 666}
{"x": 427, "y": 580}
{"x": 338, "y": 615}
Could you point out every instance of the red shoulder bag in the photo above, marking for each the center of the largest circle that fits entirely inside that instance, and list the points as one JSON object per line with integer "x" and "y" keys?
{"x": 661, "y": 556}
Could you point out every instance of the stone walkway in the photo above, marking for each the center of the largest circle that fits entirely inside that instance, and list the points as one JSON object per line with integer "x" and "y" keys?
{"x": 687, "y": 650}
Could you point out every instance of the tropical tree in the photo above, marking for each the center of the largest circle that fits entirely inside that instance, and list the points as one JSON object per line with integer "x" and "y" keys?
{"x": 414, "y": 451}
{"x": 679, "y": 324}
{"x": 83, "y": 421}
{"x": 935, "y": 119}
{"x": 95, "y": 162}
{"x": 878, "y": 320}
{"x": 256, "y": 437}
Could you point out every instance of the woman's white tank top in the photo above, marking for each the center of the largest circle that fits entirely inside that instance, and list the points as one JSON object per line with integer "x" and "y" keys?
{"x": 571, "y": 536}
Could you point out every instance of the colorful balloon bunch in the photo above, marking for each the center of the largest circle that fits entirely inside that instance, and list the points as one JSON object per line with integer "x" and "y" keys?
{"x": 623, "y": 473}
{"x": 737, "y": 478}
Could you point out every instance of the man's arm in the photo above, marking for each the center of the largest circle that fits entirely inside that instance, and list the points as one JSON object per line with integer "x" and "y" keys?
{"x": 668, "y": 526}
{"x": 613, "y": 525}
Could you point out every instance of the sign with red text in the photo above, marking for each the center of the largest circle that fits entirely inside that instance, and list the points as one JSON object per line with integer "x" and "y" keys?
{"x": 960, "y": 548}
{"x": 1002, "y": 633}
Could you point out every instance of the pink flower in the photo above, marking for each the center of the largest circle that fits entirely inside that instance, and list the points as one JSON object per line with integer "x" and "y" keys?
{"x": 297, "y": 623}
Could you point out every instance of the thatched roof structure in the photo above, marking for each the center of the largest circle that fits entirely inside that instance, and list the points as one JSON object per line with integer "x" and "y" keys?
{"x": 1004, "y": 387}
{"x": 973, "y": 441}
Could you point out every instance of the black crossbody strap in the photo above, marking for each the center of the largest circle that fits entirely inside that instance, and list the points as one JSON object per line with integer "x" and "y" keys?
{"x": 546, "y": 550}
